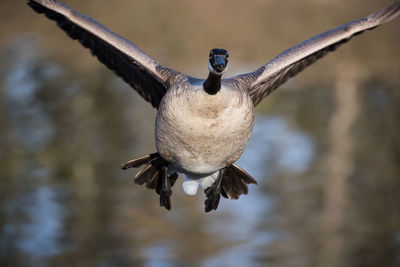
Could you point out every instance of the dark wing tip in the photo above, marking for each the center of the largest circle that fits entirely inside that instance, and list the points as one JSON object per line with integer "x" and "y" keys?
{"x": 37, "y": 7}
{"x": 386, "y": 14}
{"x": 124, "y": 65}
{"x": 268, "y": 83}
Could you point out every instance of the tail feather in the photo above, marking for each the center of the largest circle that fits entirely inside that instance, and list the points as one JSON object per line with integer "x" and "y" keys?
{"x": 153, "y": 181}
{"x": 155, "y": 175}
{"x": 135, "y": 163}
{"x": 234, "y": 182}
{"x": 149, "y": 172}
{"x": 243, "y": 175}
{"x": 144, "y": 174}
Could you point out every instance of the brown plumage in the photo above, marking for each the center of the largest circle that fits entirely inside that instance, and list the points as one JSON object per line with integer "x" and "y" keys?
{"x": 202, "y": 126}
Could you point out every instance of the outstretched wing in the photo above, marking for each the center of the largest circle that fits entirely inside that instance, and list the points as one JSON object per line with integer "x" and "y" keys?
{"x": 128, "y": 61}
{"x": 264, "y": 80}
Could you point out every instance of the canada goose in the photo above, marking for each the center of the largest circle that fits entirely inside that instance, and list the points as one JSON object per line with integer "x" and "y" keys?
{"x": 202, "y": 126}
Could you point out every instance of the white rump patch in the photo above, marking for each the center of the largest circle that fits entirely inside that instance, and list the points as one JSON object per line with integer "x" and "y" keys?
{"x": 191, "y": 184}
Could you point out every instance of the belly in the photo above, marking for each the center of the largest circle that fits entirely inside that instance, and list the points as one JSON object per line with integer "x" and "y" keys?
{"x": 205, "y": 135}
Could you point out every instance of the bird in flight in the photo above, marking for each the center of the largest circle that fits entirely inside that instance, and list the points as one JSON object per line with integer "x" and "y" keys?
{"x": 202, "y": 125}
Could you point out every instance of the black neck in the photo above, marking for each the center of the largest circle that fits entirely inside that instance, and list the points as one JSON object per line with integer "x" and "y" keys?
{"x": 213, "y": 83}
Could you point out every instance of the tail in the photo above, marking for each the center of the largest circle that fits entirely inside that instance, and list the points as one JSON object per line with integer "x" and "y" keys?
{"x": 231, "y": 183}
{"x": 234, "y": 182}
{"x": 155, "y": 175}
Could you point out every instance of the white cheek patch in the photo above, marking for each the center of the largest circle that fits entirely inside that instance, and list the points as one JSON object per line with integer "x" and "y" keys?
{"x": 210, "y": 68}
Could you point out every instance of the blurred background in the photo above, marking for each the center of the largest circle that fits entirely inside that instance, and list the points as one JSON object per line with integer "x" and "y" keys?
{"x": 325, "y": 148}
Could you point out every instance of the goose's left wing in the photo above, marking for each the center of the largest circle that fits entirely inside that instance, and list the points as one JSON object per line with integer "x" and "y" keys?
{"x": 127, "y": 60}
{"x": 264, "y": 80}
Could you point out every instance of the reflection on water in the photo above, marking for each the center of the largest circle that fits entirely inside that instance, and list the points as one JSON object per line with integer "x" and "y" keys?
{"x": 64, "y": 199}
{"x": 40, "y": 234}
{"x": 19, "y": 88}
{"x": 271, "y": 138}
{"x": 158, "y": 255}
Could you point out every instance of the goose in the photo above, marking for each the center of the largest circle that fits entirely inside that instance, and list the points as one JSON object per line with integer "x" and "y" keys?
{"x": 202, "y": 125}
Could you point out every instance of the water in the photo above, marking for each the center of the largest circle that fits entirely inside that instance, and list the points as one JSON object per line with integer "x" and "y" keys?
{"x": 64, "y": 199}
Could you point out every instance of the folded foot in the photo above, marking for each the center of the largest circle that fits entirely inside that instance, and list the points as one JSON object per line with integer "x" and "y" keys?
{"x": 213, "y": 194}
{"x": 164, "y": 187}
{"x": 231, "y": 183}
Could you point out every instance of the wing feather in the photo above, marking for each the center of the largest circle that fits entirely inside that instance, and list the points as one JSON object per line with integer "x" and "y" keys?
{"x": 289, "y": 63}
{"x": 128, "y": 61}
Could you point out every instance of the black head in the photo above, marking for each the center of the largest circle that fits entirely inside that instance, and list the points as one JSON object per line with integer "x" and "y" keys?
{"x": 218, "y": 60}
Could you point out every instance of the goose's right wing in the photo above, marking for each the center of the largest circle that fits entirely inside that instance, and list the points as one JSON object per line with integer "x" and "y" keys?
{"x": 264, "y": 80}
{"x": 128, "y": 61}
